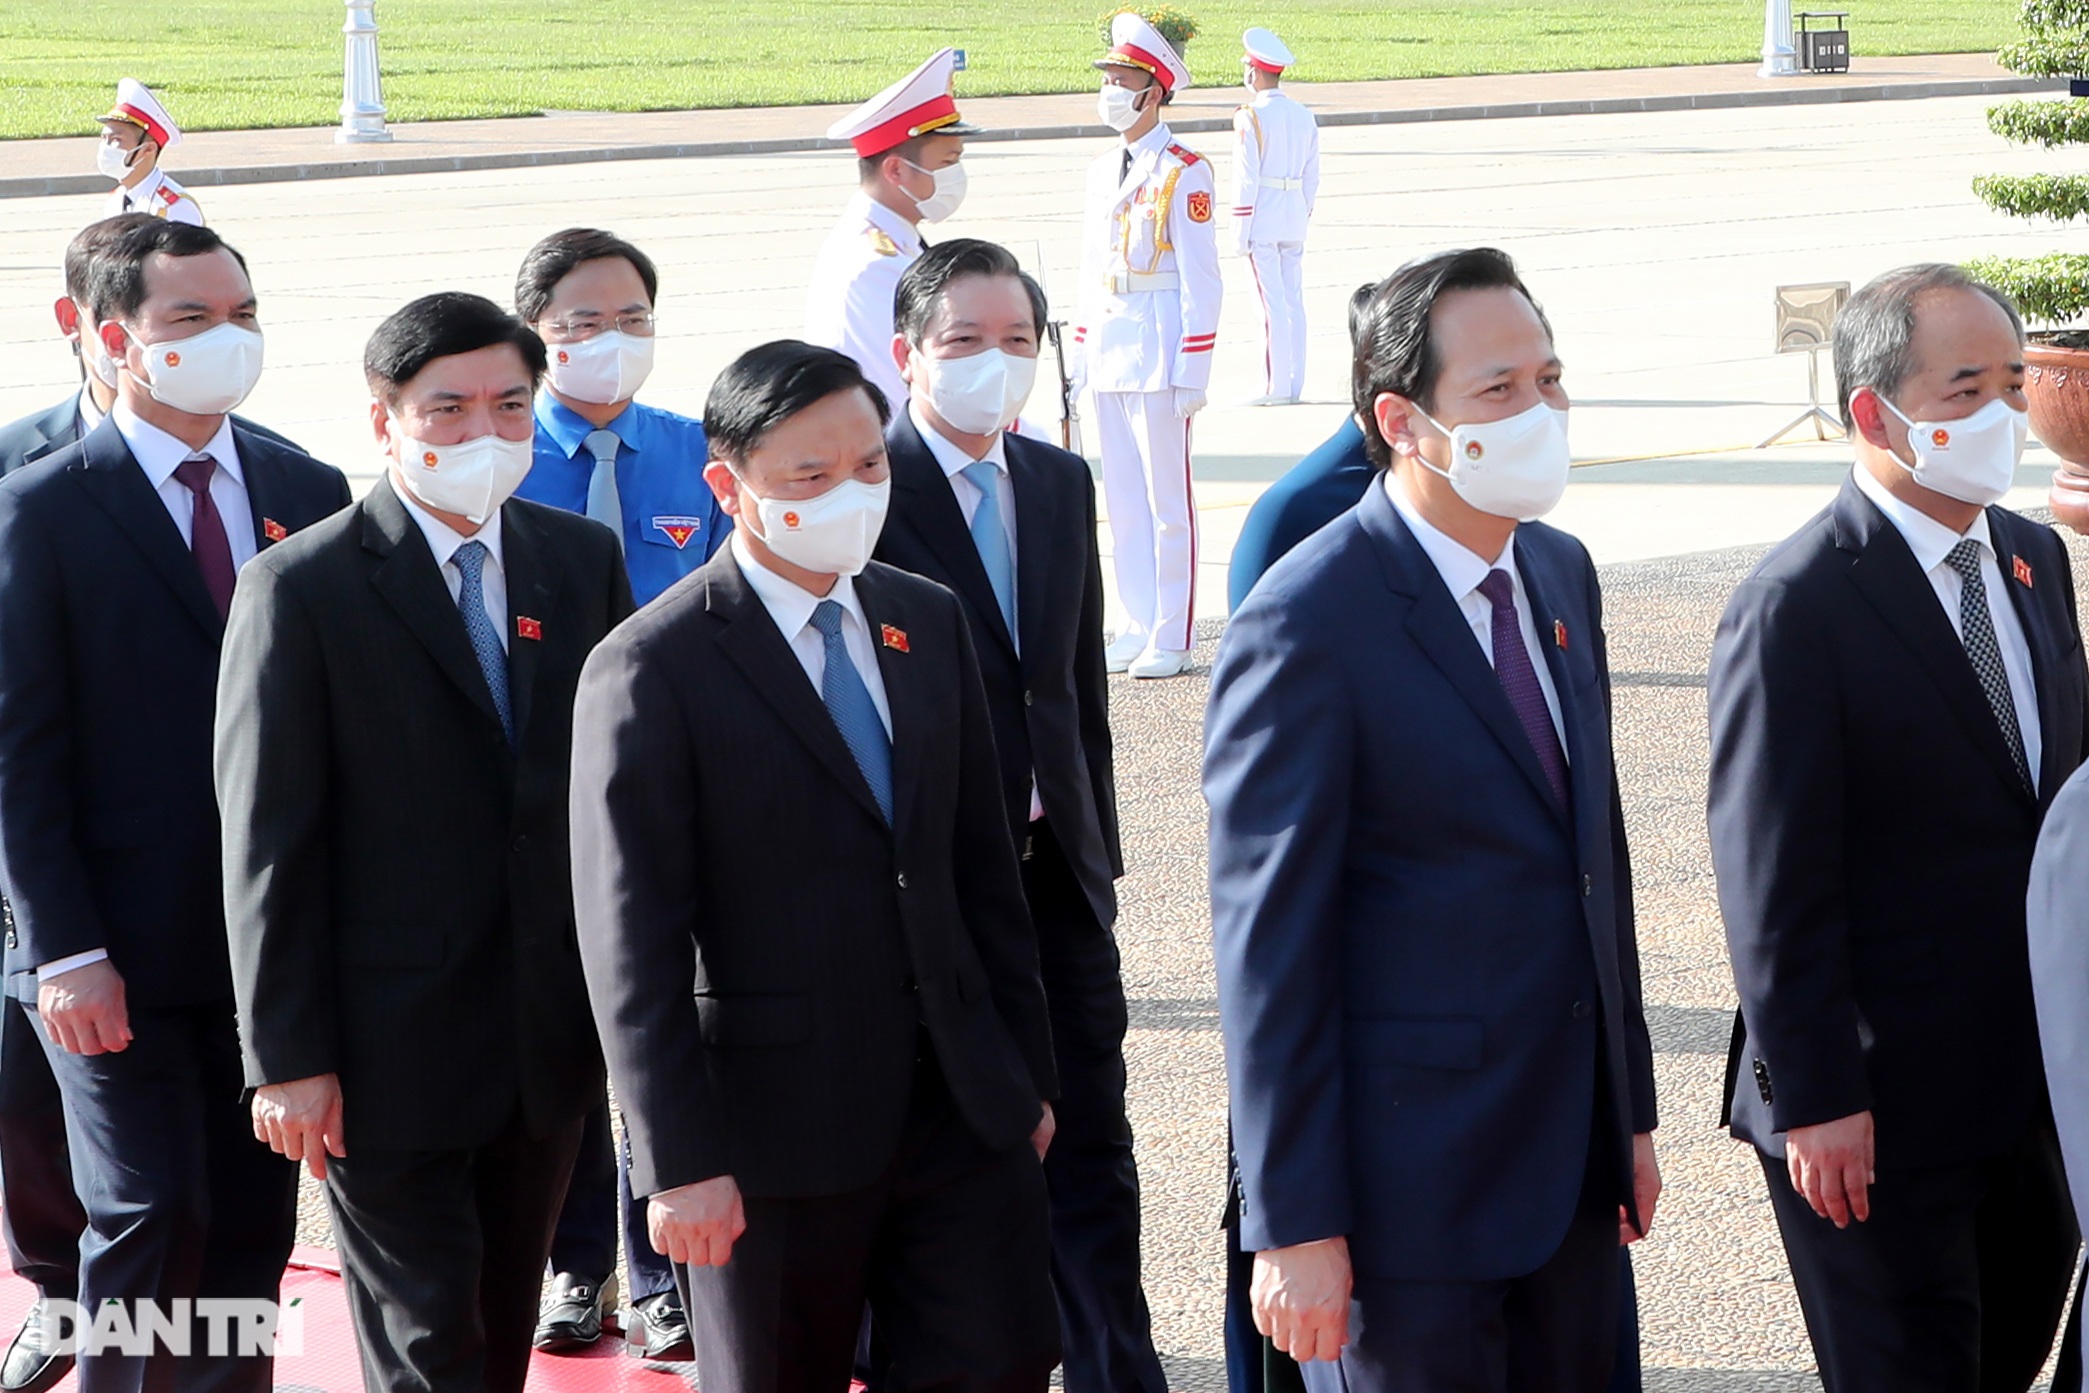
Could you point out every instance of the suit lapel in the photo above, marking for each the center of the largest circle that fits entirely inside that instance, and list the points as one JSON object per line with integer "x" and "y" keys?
{"x": 116, "y": 482}
{"x": 1036, "y": 525}
{"x": 412, "y": 583}
{"x": 1546, "y": 590}
{"x": 750, "y": 639}
{"x": 2039, "y": 626}
{"x": 259, "y": 464}
{"x": 906, "y": 690}
{"x": 532, "y": 588}
{"x": 934, "y": 514}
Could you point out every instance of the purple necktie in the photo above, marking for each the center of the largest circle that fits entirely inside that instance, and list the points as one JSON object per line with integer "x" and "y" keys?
{"x": 207, "y": 540}
{"x": 1519, "y": 679}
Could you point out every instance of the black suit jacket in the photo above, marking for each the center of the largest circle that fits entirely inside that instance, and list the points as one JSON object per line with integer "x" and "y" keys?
{"x": 43, "y": 432}
{"x": 1050, "y": 703}
{"x": 1873, "y": 841}
{"x": 397, "y": 881}
{"x": 762, "y": 949}
{"x": 108, "y": 679}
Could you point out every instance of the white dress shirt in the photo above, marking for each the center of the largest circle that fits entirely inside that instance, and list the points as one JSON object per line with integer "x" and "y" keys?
{"x": 1462, "y": 571}
{"x": 444, "y": 540}
{"x": 160, "y": 454}
{"x": 1932, "y": 541}
{"x": 791, "y": 606}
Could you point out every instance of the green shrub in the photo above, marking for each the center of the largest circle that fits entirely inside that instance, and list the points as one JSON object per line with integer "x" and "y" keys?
{"x": 2041, "y": 123}
{"x": 2055, "y": 288}
{"x": 1176, "y": 26}
{"x": 2052, "y": 289}
{"x": 2061, "y": 197}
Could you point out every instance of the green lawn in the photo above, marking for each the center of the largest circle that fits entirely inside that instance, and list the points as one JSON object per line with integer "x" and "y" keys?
{"x": 243, "y": 63}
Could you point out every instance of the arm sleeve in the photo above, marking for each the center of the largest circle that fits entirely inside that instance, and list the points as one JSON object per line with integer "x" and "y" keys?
{"x": 272, "y": 761}
{"x": 1278, "y": 760}
{"x": 1776, "y": 816}
{"x": 1197, "y": 270}
{"x": 1092, "y": 688}
{"x": 1639, "y": 1049}
{"x": 1309, "y": 178}
{"x": 1247, "y": 174}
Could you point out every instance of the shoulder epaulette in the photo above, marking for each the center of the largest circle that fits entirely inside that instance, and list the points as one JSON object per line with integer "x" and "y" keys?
{"x": 881, "y": 242}
{"x": 1184, "y": 153}
{"x": 170, "y": 195}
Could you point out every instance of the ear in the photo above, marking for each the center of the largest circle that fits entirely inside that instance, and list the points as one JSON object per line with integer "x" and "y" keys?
{"x": 1871, "y": 419}
{"x": 1393, "y": 414}
{"x": 113, "y": 339}
{"x": 68, "y": 316}
{"x": 381, "y": 424}
{"x": 902, "y": 356}
{"x": 724, "y": 487}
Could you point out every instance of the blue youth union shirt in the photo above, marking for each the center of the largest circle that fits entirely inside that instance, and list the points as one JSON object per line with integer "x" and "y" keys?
{"x": 672, "y": 524}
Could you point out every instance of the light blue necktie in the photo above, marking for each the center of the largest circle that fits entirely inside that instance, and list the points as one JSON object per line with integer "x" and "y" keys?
{"x": 478, "y": 626}
{"x": 855, "y": 715}
{"x": 992, "y": 538}
{"x": 605, "y": 504}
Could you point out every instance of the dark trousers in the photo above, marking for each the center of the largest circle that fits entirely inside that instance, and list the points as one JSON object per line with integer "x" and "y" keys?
{"x": 181, "y": 1201}
{"x": 39, "y": 1213}
{"x": 1954, "y": 1285}
{"x": 1553, "y": 1331}
{"x": 1089, "y": 1170}
{"x": 951, "y": 1247}
{"x": 442, "y": 1254}
{"x": 597, "y": 1198}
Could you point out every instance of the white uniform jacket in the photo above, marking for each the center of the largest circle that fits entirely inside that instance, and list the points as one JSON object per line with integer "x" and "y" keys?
{"x": 155, "y": 194}
{"x": 849, "y": 304}
{"x": 1276, "y": 170}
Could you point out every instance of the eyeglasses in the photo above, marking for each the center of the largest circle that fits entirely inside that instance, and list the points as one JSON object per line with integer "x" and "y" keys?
{"x": 586, "y": 326}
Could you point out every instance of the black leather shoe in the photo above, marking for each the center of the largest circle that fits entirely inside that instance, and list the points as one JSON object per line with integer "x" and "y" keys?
{"x": 571, "y": 1316}
{"x": 27, "y": 1369}
{"x": 666, "y": 1328}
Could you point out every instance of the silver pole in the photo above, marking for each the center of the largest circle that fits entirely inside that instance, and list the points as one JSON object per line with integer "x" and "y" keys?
{"x": 362, "y": 96}
{"x": 1780, "y": 58}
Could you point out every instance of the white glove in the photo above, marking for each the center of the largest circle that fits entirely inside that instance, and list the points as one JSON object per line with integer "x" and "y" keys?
{"x": 1188, "y": 402}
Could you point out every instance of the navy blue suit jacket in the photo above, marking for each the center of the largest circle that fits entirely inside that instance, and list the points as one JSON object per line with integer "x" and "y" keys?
{"x": 45, "y": 432}
{"x": 1421, "y": 957}
{"x": 1873, "y": 841}
{"x": 1310, "y": 495}
{"x": 108, "y": 686}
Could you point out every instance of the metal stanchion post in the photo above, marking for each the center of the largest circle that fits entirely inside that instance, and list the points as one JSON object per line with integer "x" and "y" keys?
{"x": 1780, "y": 58}
{"x": 362, "y": 95}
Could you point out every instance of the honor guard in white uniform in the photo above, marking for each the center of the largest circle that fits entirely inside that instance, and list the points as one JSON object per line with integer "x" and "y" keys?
{"x": 1148, "y": 316}
{"x": 135, "y": 133}
{"x": 908, "y": 140}
{"x": 1276, "y": 177}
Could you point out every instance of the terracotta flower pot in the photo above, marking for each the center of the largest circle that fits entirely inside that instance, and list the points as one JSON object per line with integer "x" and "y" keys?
{"x": 2057, "y": 382}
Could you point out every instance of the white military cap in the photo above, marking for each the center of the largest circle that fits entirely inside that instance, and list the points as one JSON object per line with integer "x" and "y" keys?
{"x": 918, "y": 104}
{"x": 1135, "y": 43}
{"x": 136, "y": 106}
{"x": 1266, "y": 51}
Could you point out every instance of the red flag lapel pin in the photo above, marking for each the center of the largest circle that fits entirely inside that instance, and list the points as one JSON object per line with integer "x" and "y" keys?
{"x": 2022, "y": 568}
{"x": 526, "y": 627}
{"x": 894, "y": 638}
{"x": 1559, "y": 634}
{"x": 274, "y": 531}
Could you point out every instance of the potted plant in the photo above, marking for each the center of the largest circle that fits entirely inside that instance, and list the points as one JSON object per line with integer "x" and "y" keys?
{"x": 1176, "y": 26}
{"x": 2051, "y": 290}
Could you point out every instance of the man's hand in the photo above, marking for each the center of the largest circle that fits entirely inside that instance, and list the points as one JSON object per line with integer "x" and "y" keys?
{"x": 1301, "y": 1298}
{"x": 697, "y": 1225}
{"x": 83, "y": 1010}
{"x": 1834, "y": 1164}
{"x": 1047, "y": 1126}
{"x": 1188, "y": 402}
{"x": 302, "y": 1120}
{"x": 1646, "y": 1190}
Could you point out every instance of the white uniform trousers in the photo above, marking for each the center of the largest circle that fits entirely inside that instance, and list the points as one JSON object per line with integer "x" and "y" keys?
{"x": 1280, "y": 282}
{"x": 1153, "y": 519}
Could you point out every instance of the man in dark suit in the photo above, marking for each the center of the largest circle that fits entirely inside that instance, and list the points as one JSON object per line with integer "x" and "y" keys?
{"x": 1008, "y": 523}
{"x": 805, "y": 931}
{"x": 1896, "y": 693}
{"x": 118, "y": 556}
{"x": 1441, "y": 1082}
{"x": 394, "y": 725}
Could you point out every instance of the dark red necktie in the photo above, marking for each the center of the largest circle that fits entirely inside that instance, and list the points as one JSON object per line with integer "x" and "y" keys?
{"x": 1519, "y": 679}
{"x": 207, "y": 540}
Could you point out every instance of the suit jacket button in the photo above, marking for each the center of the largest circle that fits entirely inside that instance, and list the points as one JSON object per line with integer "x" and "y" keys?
{"x": 908, "y": 984}
{"x": 1029, "y": 700}
{"x": 1762, "y": 1083}
{"x": 902, "y": 880}
{"x": 1588, "y": 886}
{"x": 518, "y": 844}
{"x": 1581, "y": 1010}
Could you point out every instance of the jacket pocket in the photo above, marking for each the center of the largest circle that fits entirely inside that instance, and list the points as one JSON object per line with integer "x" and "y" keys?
{"x": 754, "y": 1020}
{"x": 1415, "y": 1041}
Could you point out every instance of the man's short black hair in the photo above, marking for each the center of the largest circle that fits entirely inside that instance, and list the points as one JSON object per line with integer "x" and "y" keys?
{"x": 443, "y": 325}
{"x": 1359, "y": 302}
{"x": 922, "y": 286}
{"x": 88, "y": 243}
{"x": 1395, "y": 347}
{"x": 909, "y": 150}
{"x": 766, "y": 386}
{"x": 554, "y": 258}
{"x": 116, "y": 274}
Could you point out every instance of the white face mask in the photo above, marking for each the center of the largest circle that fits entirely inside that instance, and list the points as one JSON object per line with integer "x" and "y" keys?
{"x": 1118, "y": 107}
{"x": 832, "y": 535}
{"x": 113, "y": 160}
{"x": 1972, "y": 459}
{"x": 608, "y": 368}
{"x": 950, "y": 191}
{"x": 1514, "y": 468}
{"x": 205, "y": 375}
{"x": 982, "y": 393}
{"x": 471, "y": 479}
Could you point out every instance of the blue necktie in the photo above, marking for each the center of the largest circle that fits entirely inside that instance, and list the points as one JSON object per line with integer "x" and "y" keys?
{"x": 605, "y": 505}
{"x": 478, "y": 626}
{"x": 992, "y": 538}
{"x": 855, "y": 715}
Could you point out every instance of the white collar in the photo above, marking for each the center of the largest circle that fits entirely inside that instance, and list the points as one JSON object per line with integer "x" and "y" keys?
{"x": 954, "y": 460}
{"x": 789, "y": 603}
{"x": 1930, "y": 540}
{"x": 1462, "y": 568}
{"x": 443, "y": 539}
{"x": 1154, "y": 141}
{"x": 160, "y": 454}
{"x": 145, "y": 187}
{"x": 863, "y": 206}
